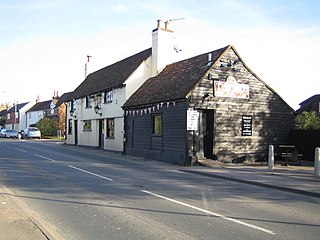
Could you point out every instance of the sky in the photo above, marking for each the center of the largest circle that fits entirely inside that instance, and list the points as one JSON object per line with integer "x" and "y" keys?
{"x": 44, "y": 43}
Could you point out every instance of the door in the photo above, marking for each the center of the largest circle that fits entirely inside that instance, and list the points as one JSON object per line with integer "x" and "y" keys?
{"x": 204, "y": 136}
{"x": 208, "y": 133}
{"x": 75, "y": 132}
{"x": 101, "y": 133}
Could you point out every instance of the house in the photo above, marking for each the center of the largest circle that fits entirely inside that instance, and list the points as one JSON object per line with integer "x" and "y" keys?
{"x": 209, "y": 106}
{"x": 94, "y": 116}
{"x": 310, "y": 104}
{"x": 16, "y": 116}
{"x": 3, "y": 113}
{"x": 55, "y": 108}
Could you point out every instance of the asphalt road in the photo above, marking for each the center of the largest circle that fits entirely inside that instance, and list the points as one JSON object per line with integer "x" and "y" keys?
{"x": 80, "y": 193}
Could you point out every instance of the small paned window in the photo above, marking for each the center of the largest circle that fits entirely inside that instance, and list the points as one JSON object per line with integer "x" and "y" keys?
{"x": 108, "y": 96}
{"x": 87, "y": 125}
{"x": 88, "y": 102}
{"x": 157, "y": 125}
{"x": 110, "y": 128}
{"x": 70, "y": 126}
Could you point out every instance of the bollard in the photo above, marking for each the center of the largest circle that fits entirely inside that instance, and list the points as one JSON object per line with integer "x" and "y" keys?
{"x": 271, "y": 158}
{"x": 317, "y": 162}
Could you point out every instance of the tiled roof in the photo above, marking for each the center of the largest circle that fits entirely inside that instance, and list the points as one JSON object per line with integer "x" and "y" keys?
{"x": 111, "y": 76}
{"x": 175, "y": 81}
{"x": 19, "y": 106}
{"x": 3, "y": 112}
{"x": 39, "y": 106}
{"x": 63, "y": 98}
{"x": 46, "y": 104}
{"x": 310, "y": 99}
{"x": 306, "y": 104}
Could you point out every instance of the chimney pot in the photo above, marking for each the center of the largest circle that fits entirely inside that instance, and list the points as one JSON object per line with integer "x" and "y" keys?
{"x": 159, "y": 23}
{"x": 166, "y": 25}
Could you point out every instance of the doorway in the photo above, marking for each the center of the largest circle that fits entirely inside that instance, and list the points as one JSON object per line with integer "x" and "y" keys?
{"x": 101, "y": 133}
{"x": 75, "y": 132}
{"x": 205, "y": 134}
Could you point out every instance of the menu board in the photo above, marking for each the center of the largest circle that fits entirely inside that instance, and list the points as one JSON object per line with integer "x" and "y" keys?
{"x": 246, "y": 125}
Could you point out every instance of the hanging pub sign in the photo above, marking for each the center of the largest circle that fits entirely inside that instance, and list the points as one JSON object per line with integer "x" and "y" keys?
{"x": 246, "y": 125}
{"x": 231, "y": 88}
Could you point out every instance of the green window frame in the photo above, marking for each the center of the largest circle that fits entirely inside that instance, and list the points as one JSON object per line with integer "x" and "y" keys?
{"x": 87, "y": 125}
{"x": 157, "y": 125}
{"x": 110, "y": 127}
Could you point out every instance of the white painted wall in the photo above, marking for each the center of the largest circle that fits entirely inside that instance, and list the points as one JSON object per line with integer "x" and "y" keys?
{"x": 88, "y": 138}
{"x": 142, "y": 73}
{"x": 163, "y": 51}
{"x": 109, "y": 110}
{"x": 33, "y": 117}
{"x": 23, "y": 116}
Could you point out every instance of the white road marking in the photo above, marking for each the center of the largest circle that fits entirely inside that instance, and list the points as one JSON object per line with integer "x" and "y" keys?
{"x": 21, "y": 150}
{"x": 211, "y": 213}
{"x": 94, "y": 174}
{"x": 45, "y": 157}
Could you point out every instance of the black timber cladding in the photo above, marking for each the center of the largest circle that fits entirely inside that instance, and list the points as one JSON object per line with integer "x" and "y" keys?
{"x": 170, "y": 146}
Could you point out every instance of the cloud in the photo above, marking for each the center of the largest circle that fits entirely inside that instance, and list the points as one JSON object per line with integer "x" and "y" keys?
{"x": 120, "y": 8}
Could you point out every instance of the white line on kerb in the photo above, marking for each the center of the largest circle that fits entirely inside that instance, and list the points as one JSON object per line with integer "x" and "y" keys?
{"x": 45, "y": 157}
{"x": 211, "y": 213}
{"x": 21, "y": 150}
{"x": 94, "y": 174}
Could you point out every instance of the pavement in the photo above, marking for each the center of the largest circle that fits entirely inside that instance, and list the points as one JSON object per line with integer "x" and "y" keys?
{"x": 16, "y": 224}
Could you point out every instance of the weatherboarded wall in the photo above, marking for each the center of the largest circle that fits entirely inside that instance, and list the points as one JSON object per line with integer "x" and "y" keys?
{"x": 171, "y": 145}
{"x": 271, "y": 118}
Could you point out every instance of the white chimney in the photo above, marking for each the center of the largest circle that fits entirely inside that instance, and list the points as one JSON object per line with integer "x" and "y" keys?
{"x": 163, "y": 52}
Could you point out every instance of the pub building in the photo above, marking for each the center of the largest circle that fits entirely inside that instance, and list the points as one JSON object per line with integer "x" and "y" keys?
{"x": 209, "y": 106}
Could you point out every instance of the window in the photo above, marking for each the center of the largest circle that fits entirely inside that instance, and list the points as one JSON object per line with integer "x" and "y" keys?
{"x": 72, "y": 105}
{"x": 88, "y": 102}
{"x": 87, "y": 125}
{"x": 110, "y": 128}
{"x": 157, "y": 125}
{"x": 8, "y": 116}
{"x": 16, "y": 115}
{"x": 70, "y": 126}
{"x": 108, "y": 96}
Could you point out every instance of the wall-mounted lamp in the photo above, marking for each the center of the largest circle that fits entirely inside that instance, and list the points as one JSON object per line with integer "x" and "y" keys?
{"x": 97, "y": 110}
{"x": 72, "y": 114}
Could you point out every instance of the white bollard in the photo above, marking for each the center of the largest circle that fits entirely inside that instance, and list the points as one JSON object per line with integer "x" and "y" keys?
{"x": 317, "y": 162}
{"x": 271, "y": 158}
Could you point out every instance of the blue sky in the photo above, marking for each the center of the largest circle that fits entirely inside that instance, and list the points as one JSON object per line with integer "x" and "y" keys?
{"x": 43, "y": 44}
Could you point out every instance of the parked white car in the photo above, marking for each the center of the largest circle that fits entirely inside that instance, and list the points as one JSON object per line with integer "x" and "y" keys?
{"x": 31, "y": 132}
{"x": 8, "y": 133}
{"x": 3, "y": 133}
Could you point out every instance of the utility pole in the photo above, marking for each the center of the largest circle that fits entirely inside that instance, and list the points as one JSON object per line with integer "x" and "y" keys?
{"x": 14, "y": 115}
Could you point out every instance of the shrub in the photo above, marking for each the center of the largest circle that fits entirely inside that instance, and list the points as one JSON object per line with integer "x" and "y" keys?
{"x": 307, "y": 121}
{"x": 47, "y": 126}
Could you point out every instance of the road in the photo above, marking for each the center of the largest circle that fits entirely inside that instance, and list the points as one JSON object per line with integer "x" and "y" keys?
{"x": 82, "y": 193}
